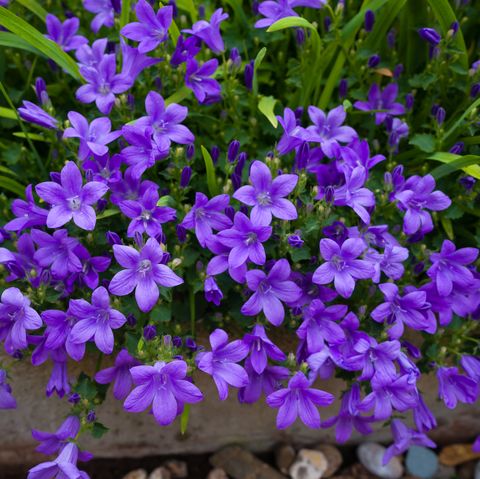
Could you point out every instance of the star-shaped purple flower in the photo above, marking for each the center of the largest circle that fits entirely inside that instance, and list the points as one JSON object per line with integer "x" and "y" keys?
{"x": 37, "y": 115}
{"x": 71, "y": 199}
{"x": 105, "y": 13}
{"x": 28, "y": 214}
{"x": 266, "y": 196}
{"x": 454, "y": 387}
{"x": 64, "y": 33}
{"x": 209, "y": 32}
{"x": 7, "y": 401}
{"x": 144, "y": 272}
{"x": 207, "y": 90}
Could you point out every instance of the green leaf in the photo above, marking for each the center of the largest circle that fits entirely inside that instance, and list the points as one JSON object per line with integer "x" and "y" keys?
{"x": 11, "y": 185}
{"x": 290, "y": 22}
{"x": 184, "y": 419}
{"x": 33, "y": 37}
{"x": 467, "y": 163}
{"x": 7, "y": 171}
{"x": 267, "y": 105}
{"x": 256, "y": 65}
{"x": 447, "y": 226}
{"x": 424, "y": 142}
{"x": 299, "y": 254}
{"x": 125, "y": 13}
{"x": 458, "y": 123}
{"x": 174, "y": 32}
{"x": 34, "y": 7}
{"x": 10, "y": 40}
{"x": 209, "y": 166}
{"x": 446, "y": 16}
{"x": 161, "y": 314}
{"x": 32, "y": 136}
{"x": 86, "y": 387}
{"x": 8, "y": 113}
{"x": 422, "y": 80}
{"x": 98, "y": 430}
{"x": 188, "y": 6}
{"x": 178, "y": 96}
{"x": 107, "y": 213}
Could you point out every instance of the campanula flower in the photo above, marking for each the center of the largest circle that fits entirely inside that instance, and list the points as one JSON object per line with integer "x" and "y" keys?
{"x": 219, "y": 263}
{"x": 50, "y": 443}
{"x": 213, "y": 293}
{"x": 71, "y": 199}
{"x": 245, "y": 239}
{"x": 269, "y": 290}
{"x": 275, "y": 10}
{"x": 198, "y": 78}
{"x": 134, "y": 62}
{"x": 37, "y": 115}
{"x": 381, "y": 100}
{"x": 143, "y": 273}
{"x": 94, "y": 137}
{"x": 266, "y": 382}
{"x": 185, "y": 49}
{"x": 357, "y": 153}
{"x": 16, "y": 317}
{"x": 28, "y": 214}
{"x": 299, "y": 399}
{"x": 91, "y": 56}
{"x": 430, "y": 35}
{"x": 209, "y": 32}
{"x": 207, "y": 215}
{"x": 151, "y": 29}
{"x": 165, "y": 387}
{"x": 91, "y": 266}
{"x": 7, "y": 401}
{"x": 105, "y": 13}
{"x": 342, "y": 265}
{"x": 389, "y": 262}
{"x": 449, "y": 267}
{"x": 64, "y": 33}
{"x": 221, "y": 362}
{"x": 266, "y": 196}
{"x": 454, "y": 387}
{"x": 423, "y": 417}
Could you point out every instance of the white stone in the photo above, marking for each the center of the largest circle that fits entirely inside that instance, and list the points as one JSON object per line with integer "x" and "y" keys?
{"x": 136, "y": 474}
{"x": 477, "y": 471}
{"x": 310, "y": 464}
{"x": 371, "y": 454}
{"x": 160, "y": 473}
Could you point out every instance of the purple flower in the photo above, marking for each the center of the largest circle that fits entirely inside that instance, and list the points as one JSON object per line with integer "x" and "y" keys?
{"x": 349, "y": 416}
{"x": 266, "y": 382}
{"x": 207, "y": 215}
{"x": 411, "y": 309}
{"x": 423, "y": 417}
{"x": 213, "y": 294}
{"x": 94, "y": 137}
{"x": 454, "y": 387}
{"x": 374, "y": 61}
{"x": 471, "y": 365}
{"x": 298, "y": 399}
{"x": 381, "y": 100}
{"x": 219, "y": 263}
{"x": 91, "y": 266}
{"x": 143, "y": 272}
{"x": 50, "y": 443}
{"x": 28, "y": 214}
{"x": 64, "y": 466}
{"x": 404, "y": 438}
{"x": 165, "y": 122}
{"x": 220, "y": 363}
{"x": 357, "y": 153}
{"x": 275, "y": 10}
{"x": 185, "y": 49}
{"x": 399, "y": 130}
{"x": 430, "y": 35}
{"x": 266, "y": 196}
{"x": 369, "y": 20}
{"x": 387, "y": 396}
{"x": 37, "y": 115}
{"x": 152, "y": 28}
{"x": 163, "y": 386}
{"x": 342, "y": 266}
{"x": 261, "y": 348}
{"x": 134, "y": 62}
{"x": 449, "y": 267}
{"x": 143, "y": 152}
{"x": 92, "y": 56}
{"x": 7, "y": 401}
{"x": 269, "y": 291}
{"x": 389, "y": 262}
{"x": 146, "y": 216}
{"x": 416, "y": 196}
{"x": 103, "y": 83}
{"x": 119, "y": 374}
{"x": 96, "y": 320}
{"x": 104, "y": 13}
{"x": 206, "y": 90}
{"x": 245, "y": 240}
{"x": 64, "y": 33}
{"x": 294, "y": 136}
{"x": 353, "y": 193}
{"x": 16, "y": 317}
{"x": 328, "y": 130}
{"x": 70, "y": 199}
{"x": 209, "y": 32}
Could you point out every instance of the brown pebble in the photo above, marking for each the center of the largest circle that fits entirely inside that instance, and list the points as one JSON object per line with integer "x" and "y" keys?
{"x": 333, "y": 456}
{"x": 136, "y": 474}
{"x": 466, "y": 470}
{"x": 457, "y": 454}
{"x": 177, "y": 468}
{"x": 160, "y": 473}
{"x": 217, "y": 473}
{"x": 284, "y": 457}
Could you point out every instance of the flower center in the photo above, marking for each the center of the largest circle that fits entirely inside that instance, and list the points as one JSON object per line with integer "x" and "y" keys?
{"x": 160, "y": 125}
{"x": 251, "y": 239}
{"x": 104, "y": 88}
{"x": 146, "y": 215}
{"x": 338, "y": 262}
{"x": 145, "y": 266}
{"x": 103, "y": 316}
{"x": 74, "y": 203}
{"x": 264, "y": 199}
{"x": 264, "y": 287}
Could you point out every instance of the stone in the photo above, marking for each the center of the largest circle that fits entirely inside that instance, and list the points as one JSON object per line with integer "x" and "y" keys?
{"x": 421, "y": 462}
{"x": 359, "y": 471}
{"x": 284, "y": 456}
{"x": 217, "y": 473}
{"x": 477, "y": 471}
{"x": 136, "y": 474}
{"x": 242, "y": 464}
{"x": 177, "y": 468}
{"x": 445, "y": 472}
{"x": 466, "y": 470}
{"x": 302, "y": 469}
{"x": 456, "y": 454}
{"x": 334, "y": 458}
{"x": 371, "y": 454}
{"x": 160, "y": 473}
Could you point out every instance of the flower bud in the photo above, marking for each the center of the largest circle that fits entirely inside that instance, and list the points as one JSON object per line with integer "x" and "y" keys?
{"x": 214, "y": 153}
{"x": 300, "y": 36}
{"x": 190, "y": 151}
{"x": 185, "y": 177}
{"x": 468, "y": 182}
{"x": 398, "y": 70}
{"x": 91, "y": 416}
{"x": 149, "y": 332}
{"x": 112, "y": 238}
{"x": 409, "y": 99}
{"x": 369, "y": 20}
{"x": 440, "y": 115}
{"x": 181, "y": 234}
{"x": 131, "y": 320}
{"x": 373, "y": 61}
{"x": 475, "y": 90}
{"x": 343, "y": 88}
{"x": 295, "y": 241}
{"x": 457, "y": 148}
{"x": 248, "y": 75}
{"x": 233, "y": 148}
{"x": 430, "y": 35}
{"x": 235, "y": 57}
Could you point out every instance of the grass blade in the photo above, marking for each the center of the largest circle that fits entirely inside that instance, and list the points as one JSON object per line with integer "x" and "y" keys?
{"x": 209, "y": 166}
{"x": 467, "y": 163}
{"x": 34, "y": 7}
{"x": 11, "y": 185}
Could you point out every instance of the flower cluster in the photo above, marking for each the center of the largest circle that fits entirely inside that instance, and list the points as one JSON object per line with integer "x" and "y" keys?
{"x": 323, "y": 238}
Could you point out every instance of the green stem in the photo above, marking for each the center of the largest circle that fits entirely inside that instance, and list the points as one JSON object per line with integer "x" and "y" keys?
{"x": 191, "y": 300}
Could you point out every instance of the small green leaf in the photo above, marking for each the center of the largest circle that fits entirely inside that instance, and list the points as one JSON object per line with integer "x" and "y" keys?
{"x": 256, "y": 65}
{"x": 86, "y": 387}
{"x": 107, "y": 214}
{"x": 299, "y": 254}
{"x": 32, "y": 136}
{"x": 33, "y": 37}
{"x": 184, "y": 419}
{"x": 10, "y": 40}
{"x": 422, "y": 80}
{"x": 98, "y": 430}
{"x": 34, "y": 7}
{"x": 290, "y": 22}
{"x": 188, "y": 6}
{"x": 447, "y": 226}
{"x": 178, "y": 96}
{"x": 266, "y": 105}
{"x": 7, "y": 113}
{"x": 424, "y": 142}
{"x": 11, "y": 185}
{"x": 209, "y": 166}
{"x": 468, "y": 163}
{"x": 161, "y": 314}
